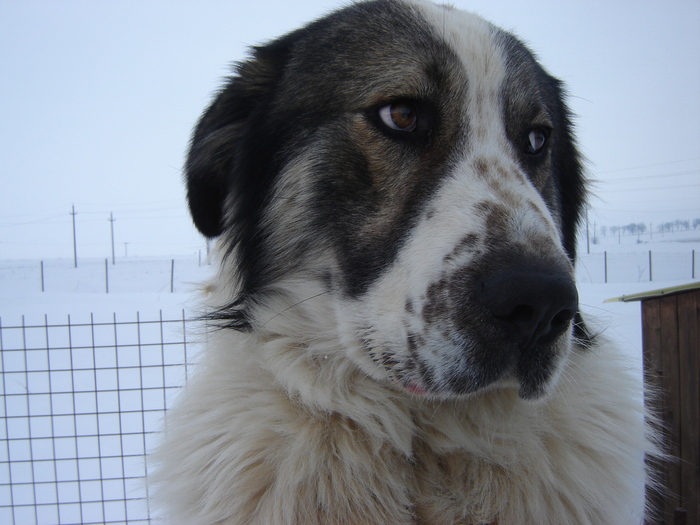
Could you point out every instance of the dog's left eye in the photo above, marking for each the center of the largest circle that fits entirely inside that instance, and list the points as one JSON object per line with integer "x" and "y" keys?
{"x": 536, "y": 140}
{"x": 399, "y": 116}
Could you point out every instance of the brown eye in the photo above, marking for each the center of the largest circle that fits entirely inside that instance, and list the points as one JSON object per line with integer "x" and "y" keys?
{"x": 400, "y": 116}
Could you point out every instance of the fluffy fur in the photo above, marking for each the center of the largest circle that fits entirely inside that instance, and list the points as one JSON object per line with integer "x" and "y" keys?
{"x": 396, "y": 191}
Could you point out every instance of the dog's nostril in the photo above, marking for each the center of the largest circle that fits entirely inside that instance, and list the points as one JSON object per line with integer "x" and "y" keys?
{"x": 522, "y": 314}
{"x": 530, "y": 304}
{"x": 534, "y": 326}
{"x": 563, "y": 318}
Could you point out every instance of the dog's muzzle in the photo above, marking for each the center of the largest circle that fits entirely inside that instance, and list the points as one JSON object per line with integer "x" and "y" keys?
{"x": 515, "y": 312}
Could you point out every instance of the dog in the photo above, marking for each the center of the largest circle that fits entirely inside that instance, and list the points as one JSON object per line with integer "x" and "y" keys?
{"x": 396, "y": 189}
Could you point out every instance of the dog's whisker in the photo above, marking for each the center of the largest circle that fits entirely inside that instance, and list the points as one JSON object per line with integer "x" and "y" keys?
{"x": 292, "y": 307}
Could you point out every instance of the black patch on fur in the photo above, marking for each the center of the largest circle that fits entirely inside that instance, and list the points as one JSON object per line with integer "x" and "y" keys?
{"x": 226, "y": 140}
{"x": 234, "y": 316}
{"x": 530, "y": 92}
{"x": 281, "y": 102}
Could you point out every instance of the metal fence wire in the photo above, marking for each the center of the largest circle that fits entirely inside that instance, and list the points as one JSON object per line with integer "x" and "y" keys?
{"x": 82, "y": 404}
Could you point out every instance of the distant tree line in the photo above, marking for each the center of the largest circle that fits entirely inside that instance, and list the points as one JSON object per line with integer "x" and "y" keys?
{"x": 629, "y": 229}
{"x": 638, "y": 228}
{"x": 678, "y": 225}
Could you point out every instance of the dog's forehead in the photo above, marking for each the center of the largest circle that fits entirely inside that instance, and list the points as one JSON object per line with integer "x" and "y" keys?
{"x": 474, "y": 40}
{"x": 388, "y": 48}
{"x": 495, "y": 62}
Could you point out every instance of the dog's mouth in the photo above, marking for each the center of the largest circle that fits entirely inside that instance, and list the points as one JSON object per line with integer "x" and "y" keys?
{"x": 415, "y": 388}
{"x": 531, "y": 372}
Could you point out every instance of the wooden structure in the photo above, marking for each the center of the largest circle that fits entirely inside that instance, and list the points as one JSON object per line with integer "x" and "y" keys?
{"x": 671, "y": 339}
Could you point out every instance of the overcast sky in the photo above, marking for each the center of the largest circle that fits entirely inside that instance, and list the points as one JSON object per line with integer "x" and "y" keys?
{"x": 98, "y": 99}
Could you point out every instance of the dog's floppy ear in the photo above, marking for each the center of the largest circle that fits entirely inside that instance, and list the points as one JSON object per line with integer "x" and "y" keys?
{"x": 214, "y": 155}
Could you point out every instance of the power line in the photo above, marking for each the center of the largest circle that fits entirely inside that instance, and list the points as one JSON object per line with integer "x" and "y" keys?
{"x": 652, "y": 188}
{"x": 55, "y": 211}
{"x": 37, "y": 221}
{"x": 138, "y": 211}
{"x": 650, "y": 165}
{"x": 645, "y": 177}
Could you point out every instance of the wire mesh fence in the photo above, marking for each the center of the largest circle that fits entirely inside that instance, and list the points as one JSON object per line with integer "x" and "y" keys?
{"x": 82, "y": 404}
{"x": 83, "y": 401}
{"x": 642, "y": 266}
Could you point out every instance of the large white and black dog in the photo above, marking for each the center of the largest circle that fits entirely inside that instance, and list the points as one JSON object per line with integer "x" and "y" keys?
{"x": 396, "y": 191}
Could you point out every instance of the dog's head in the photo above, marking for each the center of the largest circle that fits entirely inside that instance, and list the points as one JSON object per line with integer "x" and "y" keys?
{"x": 419, "y": 163}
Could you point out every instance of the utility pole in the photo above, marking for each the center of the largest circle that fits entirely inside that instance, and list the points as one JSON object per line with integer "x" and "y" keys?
{"x": 111, "y": 226}
{"x": 588, "y": 240}
{"x": 75, "y": 247}
{"x": 125, "y": 252}
{"x": 595, "y": 232}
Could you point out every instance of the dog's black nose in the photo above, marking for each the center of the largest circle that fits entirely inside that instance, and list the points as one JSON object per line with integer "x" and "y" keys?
{"x": 531, "y": 303}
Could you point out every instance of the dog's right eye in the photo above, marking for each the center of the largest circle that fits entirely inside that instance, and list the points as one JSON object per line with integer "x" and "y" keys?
{"x": 536, "y": 140}
{"x": 399, "y": 116}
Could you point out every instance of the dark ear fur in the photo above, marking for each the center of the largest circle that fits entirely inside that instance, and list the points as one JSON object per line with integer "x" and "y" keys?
{"x": 213, "y": 159}
{"x": 568, "y": 164}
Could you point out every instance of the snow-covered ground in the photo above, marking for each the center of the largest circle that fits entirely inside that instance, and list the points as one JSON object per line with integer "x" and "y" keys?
{"x": 79, "y": 418}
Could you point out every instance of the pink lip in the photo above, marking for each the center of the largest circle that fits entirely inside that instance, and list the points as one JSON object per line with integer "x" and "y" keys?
{"x": 415, "y": 389}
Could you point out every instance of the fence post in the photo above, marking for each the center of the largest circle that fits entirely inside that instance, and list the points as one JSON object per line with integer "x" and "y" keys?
{"x": 106, "y": 276}
{"x": 650, "y": 274}
{"x": 605, "y": 265}
{"x": 172, "y": 275}
{"x": 692, "y": 267}
{"x": 42, "y": 274}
